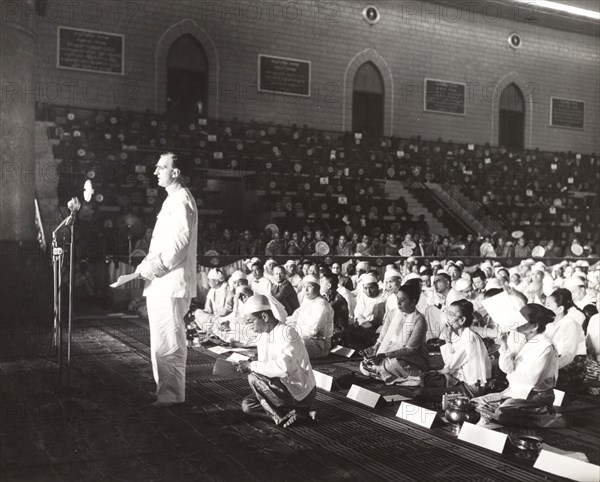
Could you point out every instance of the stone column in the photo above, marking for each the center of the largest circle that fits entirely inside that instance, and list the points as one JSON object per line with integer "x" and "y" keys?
{"x": 21, "y": 259}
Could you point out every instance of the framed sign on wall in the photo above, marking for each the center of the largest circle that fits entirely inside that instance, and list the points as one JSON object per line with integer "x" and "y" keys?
{"x": 567, "y": 113}
{"x": 90, "y": 51}
{"x": 444, "y": 96}
{"x": 283, "y": 75}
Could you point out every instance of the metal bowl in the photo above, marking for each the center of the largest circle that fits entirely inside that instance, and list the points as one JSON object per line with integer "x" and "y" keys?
{"x": 461, "y": 410}
{"x": 528, "y": 446}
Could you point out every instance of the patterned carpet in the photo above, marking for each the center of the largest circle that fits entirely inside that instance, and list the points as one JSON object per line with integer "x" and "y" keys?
{"x": 372, "y": 444}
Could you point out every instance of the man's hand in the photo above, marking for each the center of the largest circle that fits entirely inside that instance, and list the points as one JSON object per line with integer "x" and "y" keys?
{"x": 244, "y": 366}
{"x": 376, "y": 359}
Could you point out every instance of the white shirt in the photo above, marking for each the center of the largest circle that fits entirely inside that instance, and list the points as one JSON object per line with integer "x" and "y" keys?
{"x": 396, "y": 331}
{"x": 369, "y": 311}
{"x": 282, "y": 354}
{"x": 219, "y": 301}
{"x": 466, "y": 357}
{"x": 171, "y": 261}
{"x": 593, "y": 336}
{"x": 534, "y": 367}
{"x": 314, "y": 319}
{"x": 568, "y": 338}
{"x": 261, "y": 286}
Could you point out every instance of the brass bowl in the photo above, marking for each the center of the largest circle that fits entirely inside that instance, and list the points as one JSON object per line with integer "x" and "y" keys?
{"x": 461, "y": 410}
{"x": 528, "y": 446}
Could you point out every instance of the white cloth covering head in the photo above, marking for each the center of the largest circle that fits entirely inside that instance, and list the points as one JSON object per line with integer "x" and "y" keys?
{"x": 444, "y": 272}
{"x": 255, "y": 304}
{"x": 240, "y": 289}
{"x": 462, "y": 284}
{"x": 362, "y": 265}
{"x": 493, "y": 283}
{"x": 216, "y": 274}
{"x": 311, "y": 279}
{"x": 290, "y": 262}
{"x": 367, "y": 278}
{"x": 390, "y": 274}
{"x": 412, "y": 276}
{"x": 238, "y": 275}
{"x": 574, "y": 282}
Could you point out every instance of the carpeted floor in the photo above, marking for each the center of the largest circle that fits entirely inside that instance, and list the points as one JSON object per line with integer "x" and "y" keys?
{"x": 102, "y": 429}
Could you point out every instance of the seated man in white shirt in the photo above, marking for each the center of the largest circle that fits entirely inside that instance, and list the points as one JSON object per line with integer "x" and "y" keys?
{"x": 368, "y": 314}
{"x": 445, "y": 296}
{"x": 314, "y": 319}
{"x": 258, "y": 282}
{"x": 282, "y": 380}
{"x": 219, "y": 301}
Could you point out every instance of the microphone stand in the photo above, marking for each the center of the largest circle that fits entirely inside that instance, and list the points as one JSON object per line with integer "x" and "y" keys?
{"x": 57, "y": 261}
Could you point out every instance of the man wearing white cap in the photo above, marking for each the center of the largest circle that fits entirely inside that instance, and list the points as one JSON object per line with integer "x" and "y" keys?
{"x": 170, "y": 273}
{"x": 282, "y": 380}
{"x": 294, "y": 278}
{"x": 314, "y": 319}
{"x": 576, "y": 285}
{"x": 370, "y": 304}
{"x": 362, "y": 267}
{"x": 445, "y": 296}
{"x": 219, "y": 301}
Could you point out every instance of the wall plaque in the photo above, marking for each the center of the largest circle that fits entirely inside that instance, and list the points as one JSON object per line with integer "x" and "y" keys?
{"x": 566, "y": 113}
{"x": 283, "y": 75}
{"x": 443, "y": 96}
{"x": 90, "y": 51}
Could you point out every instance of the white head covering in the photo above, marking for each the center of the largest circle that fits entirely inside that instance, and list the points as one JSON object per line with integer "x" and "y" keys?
{"x": 367, "y": 278}
{"x": 362, "y": 265}
{"x": 255, "y": 304}
{"x": 462, "y": 284}
{"x": 493, "y": 283}
{"x": 216, "y": 274}
{"x": 238, "y": 275}
{"x": 311, "y": 279}
{"x": 391, "y": 273}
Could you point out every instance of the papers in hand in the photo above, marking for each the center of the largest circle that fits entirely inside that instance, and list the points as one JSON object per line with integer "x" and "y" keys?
{"x": 226, "y": 369}
{"x": 126, "y": 278}
{"x": 501, "y": 309}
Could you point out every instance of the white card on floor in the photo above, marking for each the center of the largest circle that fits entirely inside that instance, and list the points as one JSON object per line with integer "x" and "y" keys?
{"x": 483, "y": 437}
{"x": 415, "y": 414}
{"x": 364, "y": 396}
{"x": 324, "y": 382}
{"x": 559, "y": 396}
{"x": 395, "y": 398}
{"x": 237, "y": 349}
{"x": 219, "y": 350}
{"x": 343, "y": 351}
{"x": 568, "y": 467}
{"x": 236, "y": 357}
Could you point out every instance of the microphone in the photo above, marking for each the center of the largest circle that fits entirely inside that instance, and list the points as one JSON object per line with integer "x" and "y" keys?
{"x": 74, "y": 205}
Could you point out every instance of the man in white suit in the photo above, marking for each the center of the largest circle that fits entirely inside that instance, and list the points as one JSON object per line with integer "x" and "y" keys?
{"x": 170, "y": 274}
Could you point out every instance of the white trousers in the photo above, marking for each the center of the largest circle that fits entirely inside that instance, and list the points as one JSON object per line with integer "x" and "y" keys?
{"x": 168, "y": 346}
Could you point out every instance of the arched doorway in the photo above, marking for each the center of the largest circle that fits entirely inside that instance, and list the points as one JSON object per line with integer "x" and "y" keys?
{"x": 367, "y": 100}
{"x": 187, "y": 80}
{"x": 512, "y": 118}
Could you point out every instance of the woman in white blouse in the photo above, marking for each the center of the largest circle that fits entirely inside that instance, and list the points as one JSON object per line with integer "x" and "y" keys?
{"x": 569, "y": 339}
{"x": 531, "y": 374}
{"x": 467, "y": 365}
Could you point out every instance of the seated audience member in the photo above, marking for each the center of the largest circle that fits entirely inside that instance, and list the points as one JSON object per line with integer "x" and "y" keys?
{"x": 576, "y": 285}
{"x": 368, "y": 313}
{"x": 444, "y": 296}
{"x": 269, "y": 266}
{"x": 531, "y": 374}
{"x": 478, "y": 279}
{"x": 392, "y": 279}
{"x": 281, "y": 379}
{"x": 592, "y": 338}
{"x": 370, "y": 304}
{"x": 329, "y": 291}
{"x": 314, "y": 319}
{"x": 343, "y": 280}
{"x": 219, "y": 300}
{"x": 283, "y": 290}
{"x": 259, "y": 284}
{"x": 291, "y": 271}
{"x": 466, "y": 360}
{"x": 343, "y": 248}
{"x": 567, "y": 335}
{"x": 400, "y": 354}
{"x": 362, "y": 267}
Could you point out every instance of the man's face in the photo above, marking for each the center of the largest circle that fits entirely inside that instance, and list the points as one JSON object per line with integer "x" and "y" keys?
{"x": 257, "y": 271}
{"x": 405, "y": 303}
{"x": 311, "y": 290}
{"x": 164, "y": 171}
{"x": 290, "y": 268}
{"x": 392, "y": 285}
{"x": 454, "y": 272}
{"x": 279, "y": 274}
{"x": 213, "y": 283}
{"x": 426, "y": 280}
{"x": 441, "y": 283}
{"x": 312, "y": 269}
{"x": 371, "y": 290}
{"x": 325, "y": 286}
{"x": 336, "y": 268}
{"x": 478, "y": 283}
{"x": 257, "y": 321}
{"x": 342, "y": 241}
